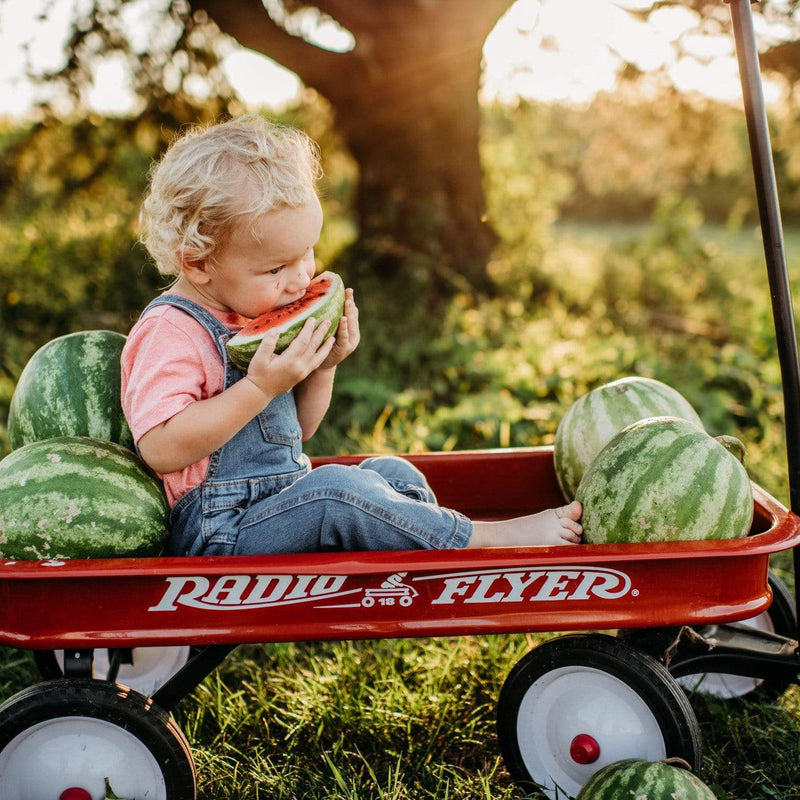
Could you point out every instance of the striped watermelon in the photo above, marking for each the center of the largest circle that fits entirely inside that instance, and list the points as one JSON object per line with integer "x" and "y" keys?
{"x": 75, "y": 497}
{"x": 665, "y": 479}
{"x": 71, "y": 387}
{"x": 635, "y": 779}
{"x": 595, "y": 418}
{"x": 323, "y": 299}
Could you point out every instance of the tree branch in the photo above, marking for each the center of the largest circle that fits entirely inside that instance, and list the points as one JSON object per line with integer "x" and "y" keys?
{"x": 355, "y": 15}
{"x": 783, "y": 58}
{"x": 248, "y": 22}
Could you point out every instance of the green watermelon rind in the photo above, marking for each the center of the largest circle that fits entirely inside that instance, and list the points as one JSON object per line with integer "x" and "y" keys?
{"x": 650, "y": 780}
{"x": 664, "y": 479}
{"x": 71, "y": 387}
{"x": 77, "y": 497}
{"x": 242, "y": 350}
{"x": 596, "y": 417}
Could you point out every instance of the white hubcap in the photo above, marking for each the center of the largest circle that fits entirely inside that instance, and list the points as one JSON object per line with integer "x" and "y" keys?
{"x": 151, "y": 667}
{"x": 78, "y": 752}
{"x": 589, "y": 705}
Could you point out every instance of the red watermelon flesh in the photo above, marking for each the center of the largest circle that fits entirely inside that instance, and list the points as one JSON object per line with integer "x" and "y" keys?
{"x": 323, "y": 299}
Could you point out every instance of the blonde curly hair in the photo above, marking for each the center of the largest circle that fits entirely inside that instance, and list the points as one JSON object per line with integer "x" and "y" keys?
{"x": 216, "y": 178}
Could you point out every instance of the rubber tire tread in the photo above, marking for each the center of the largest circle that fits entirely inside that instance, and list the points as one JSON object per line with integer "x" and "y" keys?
{"x": 114, "y": 703}
{"x": 641, "y": 672}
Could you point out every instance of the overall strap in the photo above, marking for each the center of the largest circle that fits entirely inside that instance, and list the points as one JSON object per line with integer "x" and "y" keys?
{"x": 219, "y": 333}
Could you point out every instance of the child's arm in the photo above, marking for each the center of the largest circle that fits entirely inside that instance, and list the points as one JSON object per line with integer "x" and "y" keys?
{"x": 205, "y": 425}
{"x": 201, "y": 428}
{"x": 313, "y": 395}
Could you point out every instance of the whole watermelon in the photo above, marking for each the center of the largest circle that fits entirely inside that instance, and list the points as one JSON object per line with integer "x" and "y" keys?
{"x": 75, "y": 497}
{"x": 644, "y": 780}
{"x": 71, "y": 387}
{"x": 665, "y": 479}
{"x": 592, "y": 421}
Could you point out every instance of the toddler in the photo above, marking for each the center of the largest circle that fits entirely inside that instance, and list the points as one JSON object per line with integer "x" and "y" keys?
{"x": 232, "y": 216}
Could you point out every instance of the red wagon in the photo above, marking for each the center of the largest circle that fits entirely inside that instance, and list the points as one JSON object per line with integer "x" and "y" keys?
{"x": 122, "y": 641}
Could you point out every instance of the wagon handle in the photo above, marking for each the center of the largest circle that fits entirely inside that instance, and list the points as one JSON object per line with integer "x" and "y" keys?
{"x": 772, "y": 234}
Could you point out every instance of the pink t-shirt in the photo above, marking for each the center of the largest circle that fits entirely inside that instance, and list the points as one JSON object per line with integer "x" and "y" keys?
{"x": 168, "y": 362}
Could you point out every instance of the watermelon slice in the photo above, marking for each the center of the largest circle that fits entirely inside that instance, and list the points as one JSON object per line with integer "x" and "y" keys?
{"x": 324, "y": 299}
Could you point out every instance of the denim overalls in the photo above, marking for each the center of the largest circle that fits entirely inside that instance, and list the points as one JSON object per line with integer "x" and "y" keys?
{"x": 261, "y": 496}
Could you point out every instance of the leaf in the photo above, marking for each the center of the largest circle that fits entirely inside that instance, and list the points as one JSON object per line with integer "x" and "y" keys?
{"x": 110, "y": 795}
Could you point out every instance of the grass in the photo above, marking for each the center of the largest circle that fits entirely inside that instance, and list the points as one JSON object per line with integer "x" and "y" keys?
{"x": 415, "y": 718}
{"x": 354, "y": 720}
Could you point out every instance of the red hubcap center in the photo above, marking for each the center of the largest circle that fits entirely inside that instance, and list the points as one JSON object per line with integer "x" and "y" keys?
{"x": 584, "y": 749}
{"x": 74, "y": 793}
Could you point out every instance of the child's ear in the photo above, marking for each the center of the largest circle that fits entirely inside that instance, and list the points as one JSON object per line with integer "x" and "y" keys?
{"x": 194, "y": 267}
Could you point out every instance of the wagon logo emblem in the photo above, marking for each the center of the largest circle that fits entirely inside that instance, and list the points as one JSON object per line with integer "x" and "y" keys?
{"x": 391, "y": 591}
{"x": 520, "y": 585}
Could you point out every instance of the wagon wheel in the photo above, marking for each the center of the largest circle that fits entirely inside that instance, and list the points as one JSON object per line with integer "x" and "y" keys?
{"x": 780, "y": 618}
{"x": 145, "y": 669}
{"x": 63, "y": 738}
{"x": 579, "y": 702}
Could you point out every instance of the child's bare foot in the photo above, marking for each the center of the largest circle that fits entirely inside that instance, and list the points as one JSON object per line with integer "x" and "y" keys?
{"x": 555, "y": 526}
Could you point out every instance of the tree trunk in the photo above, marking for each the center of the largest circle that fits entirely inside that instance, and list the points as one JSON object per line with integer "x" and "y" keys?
{"x": 406, "y": 104}
{"x": 420, "y": 179}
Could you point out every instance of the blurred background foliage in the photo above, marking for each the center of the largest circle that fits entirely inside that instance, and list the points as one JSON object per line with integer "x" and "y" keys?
{"x": 627, "y": 244}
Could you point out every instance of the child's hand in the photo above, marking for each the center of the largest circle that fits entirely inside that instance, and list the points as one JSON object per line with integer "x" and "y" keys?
{"x": 348, "y": 333}
{"x": 276, "y": 374}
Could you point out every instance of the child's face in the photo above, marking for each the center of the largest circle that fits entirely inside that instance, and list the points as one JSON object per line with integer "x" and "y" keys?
{"x": 268, "y": 264}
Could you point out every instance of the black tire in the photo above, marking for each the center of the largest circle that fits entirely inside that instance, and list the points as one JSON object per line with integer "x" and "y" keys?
{"x": 780, "y": 618}
{"x": 91, "y": 717}
{"x": 783, "y": 611}
{"x": 595, "y": 669}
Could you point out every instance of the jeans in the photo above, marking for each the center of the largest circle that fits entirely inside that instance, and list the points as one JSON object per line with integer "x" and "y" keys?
{"x": 385, "y": 503}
